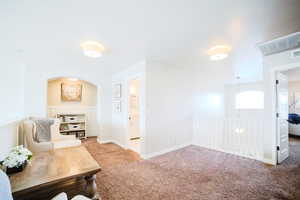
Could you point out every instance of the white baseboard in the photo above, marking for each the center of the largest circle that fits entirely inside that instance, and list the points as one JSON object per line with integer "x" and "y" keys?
{"x": 230, "y": 152}
{"x": 264, "y": 160}
{"x": 174, "y": 148}
{"x": 111, "y": 141}
{"x": 269, "y": 161}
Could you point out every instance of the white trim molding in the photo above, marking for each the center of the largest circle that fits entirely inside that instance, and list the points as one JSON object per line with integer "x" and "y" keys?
{"x": 111, "y": 141}
{"x": 174, "y": 148}
{"x": 151, "y": 155}
{"x": 269, "y": 161}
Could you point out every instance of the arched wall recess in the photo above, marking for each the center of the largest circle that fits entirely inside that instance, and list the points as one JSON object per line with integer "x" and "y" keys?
{"x": 87, "y": 102}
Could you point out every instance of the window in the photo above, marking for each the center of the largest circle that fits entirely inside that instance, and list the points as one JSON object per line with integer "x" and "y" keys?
{"x": 250, "y": 100}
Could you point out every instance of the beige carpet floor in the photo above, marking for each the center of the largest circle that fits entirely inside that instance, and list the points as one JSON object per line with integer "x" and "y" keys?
{"x": 193, "y": 173}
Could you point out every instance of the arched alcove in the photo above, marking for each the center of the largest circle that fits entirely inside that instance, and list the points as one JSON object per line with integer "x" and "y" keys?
{"x": 68, "y": 95}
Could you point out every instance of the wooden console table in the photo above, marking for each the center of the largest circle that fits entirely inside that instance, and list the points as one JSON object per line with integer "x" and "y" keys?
{"x": 71, "y": 170}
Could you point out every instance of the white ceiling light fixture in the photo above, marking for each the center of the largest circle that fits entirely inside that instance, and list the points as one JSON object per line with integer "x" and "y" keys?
{"x": 92, "y": 49}
{"x": 219, "y": 52}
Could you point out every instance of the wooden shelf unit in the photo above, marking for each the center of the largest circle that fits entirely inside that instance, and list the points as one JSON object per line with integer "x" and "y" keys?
{"x": 76, "y": 120}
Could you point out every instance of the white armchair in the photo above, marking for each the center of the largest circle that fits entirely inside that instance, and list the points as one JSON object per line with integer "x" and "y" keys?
{"x": 62, "y": 141}
{"x": 5, "y": 190}
{"x": 29, "y": 131}
{"x": 57, "y": 140}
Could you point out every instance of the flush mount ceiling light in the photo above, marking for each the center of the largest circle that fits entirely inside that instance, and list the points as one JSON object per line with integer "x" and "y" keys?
{"x": 219, "y": 52}
{"x": 92, "y": 49}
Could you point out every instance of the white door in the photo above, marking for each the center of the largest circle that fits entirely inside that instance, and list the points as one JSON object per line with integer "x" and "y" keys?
{"x": 134, "y": 109}
{"x": 282, "y": 116}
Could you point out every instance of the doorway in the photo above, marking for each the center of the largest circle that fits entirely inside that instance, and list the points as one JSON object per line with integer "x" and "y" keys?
{"x": 288, "y": 112}
{"x": 134, "y": 109}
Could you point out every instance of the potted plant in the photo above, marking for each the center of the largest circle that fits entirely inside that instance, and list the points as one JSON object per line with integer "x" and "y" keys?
{"x": 16, "y": 160}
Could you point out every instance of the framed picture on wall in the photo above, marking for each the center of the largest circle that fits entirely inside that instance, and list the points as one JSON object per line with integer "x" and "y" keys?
{"x": 117, "y": 106}
{"x": 71, "y": 91}
{"x": 117, "y": 91}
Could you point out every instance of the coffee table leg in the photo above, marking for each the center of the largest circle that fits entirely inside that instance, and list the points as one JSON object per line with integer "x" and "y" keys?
{"x": 91, "y": 187}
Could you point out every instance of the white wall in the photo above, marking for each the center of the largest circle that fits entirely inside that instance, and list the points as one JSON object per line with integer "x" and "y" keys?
{"x": 231, "y": 90}
{"x": 11, "y": 101}
{"x": 293, "y": 74}
{"x": 167, "y": 93}
{"x": 9, "y": 137}
{"x": 281, "y": 61}
{"x": 12, "y": 97}
{"x": 169, "y": 110}
{"x": 120, "y": 133}
{"x": 216, "y": 120}
{"x": 294, "y": 86}
{"x": 210, "y": 80}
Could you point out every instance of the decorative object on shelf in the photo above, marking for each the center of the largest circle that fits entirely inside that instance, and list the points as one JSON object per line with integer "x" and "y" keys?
{"x": 71, "y": 91}
{"x": 118, "y": 106}
{"x": 61, "y": 119}
{"x": 73, "y": 124}
{"x": 80, "y": 134}
{"x": 16, "y": 160}
{"x": 71, "y": 118}
{"x": 74, "y": 127}
{"x": 117, "y": 91}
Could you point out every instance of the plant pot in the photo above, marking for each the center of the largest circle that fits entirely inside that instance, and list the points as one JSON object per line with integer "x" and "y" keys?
{"x": 16, "y": 169}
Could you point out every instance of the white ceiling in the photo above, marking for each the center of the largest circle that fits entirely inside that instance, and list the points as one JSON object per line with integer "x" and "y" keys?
{"x": 171, "y": 31}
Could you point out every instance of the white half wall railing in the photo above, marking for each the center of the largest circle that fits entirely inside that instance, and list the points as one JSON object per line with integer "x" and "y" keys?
{"x": 243, "y": 137}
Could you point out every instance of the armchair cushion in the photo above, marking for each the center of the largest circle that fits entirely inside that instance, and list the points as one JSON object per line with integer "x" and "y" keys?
{"x": 43, "y": 130}
{"x": 29, "y": 132}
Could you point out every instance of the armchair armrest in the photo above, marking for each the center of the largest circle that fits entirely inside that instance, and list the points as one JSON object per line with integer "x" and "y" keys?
{"x": 61, "y": 196}
{"x": 64, "y": 137}
{"x": 80, "y": 197}
{"x": 43, "y": 146}
{"x": 56, "y": 135}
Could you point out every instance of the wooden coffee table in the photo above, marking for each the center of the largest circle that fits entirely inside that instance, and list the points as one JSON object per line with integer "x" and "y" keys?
{"x": 71, "y": 170}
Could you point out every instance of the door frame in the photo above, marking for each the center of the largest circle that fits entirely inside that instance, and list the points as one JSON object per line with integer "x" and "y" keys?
{"x": 142, "y": 104}
{"x": 280, "y": 76}
{"x": 128, "y": 108}
{"x": 273, "y": 101}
